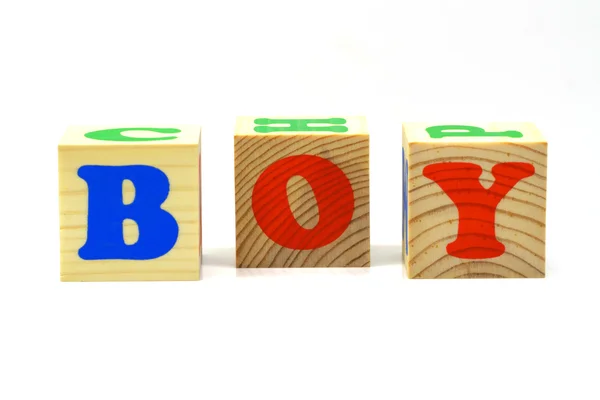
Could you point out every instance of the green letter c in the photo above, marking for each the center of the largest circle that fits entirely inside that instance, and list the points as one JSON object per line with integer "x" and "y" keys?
{"x": 116, "y": 134}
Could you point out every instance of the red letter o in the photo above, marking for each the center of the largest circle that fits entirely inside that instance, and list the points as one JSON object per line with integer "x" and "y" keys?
{"x": 332, "y": 190}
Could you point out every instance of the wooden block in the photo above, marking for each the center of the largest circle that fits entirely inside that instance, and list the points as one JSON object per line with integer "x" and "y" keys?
{"x": 302, "y": 192}
{"x": 130, "y": 203}
{"x": 474, "y": 200}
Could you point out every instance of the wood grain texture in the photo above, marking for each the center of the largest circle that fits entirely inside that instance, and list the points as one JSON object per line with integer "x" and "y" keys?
{"x": 520, "y": 217}
{"x": 255, "y": 152}
{"x": 179, "y": 159}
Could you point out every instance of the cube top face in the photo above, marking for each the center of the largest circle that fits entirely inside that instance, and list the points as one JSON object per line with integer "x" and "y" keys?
{"x": 484, "y": 133}
{"x": 474, "y": 208}
{"x": 134, "y": 136}
{"x": 300, "y": 125}
{"x": 129, "y": 212}
{"x": 302, "y": 199}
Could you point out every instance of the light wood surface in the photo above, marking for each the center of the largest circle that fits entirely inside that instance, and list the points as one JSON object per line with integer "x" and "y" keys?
{"x": 179, "y": 159}
{"x": 255, "y": 152}
{"x": 520, "y": 217}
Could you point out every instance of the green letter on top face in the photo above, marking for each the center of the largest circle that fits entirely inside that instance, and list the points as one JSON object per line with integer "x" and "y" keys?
{"x": 440, "y": 131}
{"x": 300, "y": 125}
{"x": 116, "y": 135}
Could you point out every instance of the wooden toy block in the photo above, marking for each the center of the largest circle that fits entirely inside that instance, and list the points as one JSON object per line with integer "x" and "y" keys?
{"x": 474, "y": 200}
{"x": 130, "y": 203}
{"x": 302, "y": 192}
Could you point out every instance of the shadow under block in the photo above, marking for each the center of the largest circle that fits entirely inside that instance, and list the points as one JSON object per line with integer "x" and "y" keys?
{"x": 130, "y": 203}
{"x": 302, "y": 192}
{"x": 474, "y": 200}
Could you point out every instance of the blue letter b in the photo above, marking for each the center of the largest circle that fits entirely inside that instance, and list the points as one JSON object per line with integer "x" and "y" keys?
{"x": 158, "y": 230}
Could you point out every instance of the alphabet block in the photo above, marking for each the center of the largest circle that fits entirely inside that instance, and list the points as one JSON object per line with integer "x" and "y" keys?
{"x": 130, "y": 203}
{"x": 302, "y": 192}
{"x": 474, "y": 200}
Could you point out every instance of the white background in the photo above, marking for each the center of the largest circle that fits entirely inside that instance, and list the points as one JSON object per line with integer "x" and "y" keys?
{"x": 329, "y": 334}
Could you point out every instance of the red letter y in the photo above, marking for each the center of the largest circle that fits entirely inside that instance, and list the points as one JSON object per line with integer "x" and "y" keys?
{"x": 476, "y": 205}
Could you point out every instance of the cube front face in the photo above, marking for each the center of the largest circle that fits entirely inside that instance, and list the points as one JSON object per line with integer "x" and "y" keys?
{"x": 474, "y": 201}
{"x": 302, "y": 192}
{"x": 130, "y": 203}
